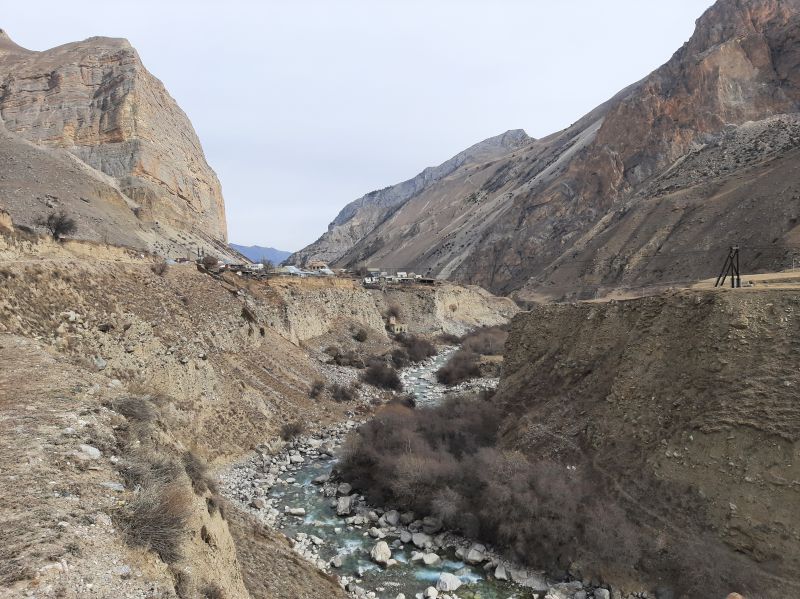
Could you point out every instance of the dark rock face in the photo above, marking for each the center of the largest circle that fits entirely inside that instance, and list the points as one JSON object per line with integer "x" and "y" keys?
{"x": 586, "y": 210}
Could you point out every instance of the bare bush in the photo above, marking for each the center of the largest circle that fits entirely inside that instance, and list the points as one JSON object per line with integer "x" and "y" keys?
{"x": 400, "y": 358}
{"x": 292, "y": 430}
{"x": 136, "y": 408}
{"x": 360, "y": 335}
{"x": 349, "y": 359}
{"x": 59, "y": 224}
{"x": 197, "y": 470}
{"x": 379, "y": 374}
{"x": 156, "y": 519}
{"x": 210, "y": 261}
{"x": 160, "y": 267}
{"x": 317, "y": 387}
{"x": 417, "y": 348}
{"x": 486, "y": 341}
{"x": 462, "y": 366}
{"x": 343, "y": 394}
{"x": 212, "y": 591}
{"x": 449, "y": 339}
{"x": 392, "y": 311}
{"x": 145, "y": 466}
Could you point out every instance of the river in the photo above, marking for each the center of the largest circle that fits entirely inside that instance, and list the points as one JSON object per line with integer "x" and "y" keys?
{"x": 320, "y": 535}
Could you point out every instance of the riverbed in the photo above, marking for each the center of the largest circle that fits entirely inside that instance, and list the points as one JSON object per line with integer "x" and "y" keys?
{"x": 292, "y": 494}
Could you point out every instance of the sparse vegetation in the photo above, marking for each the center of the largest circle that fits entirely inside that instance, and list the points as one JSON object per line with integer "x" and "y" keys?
{"x": 317, "y": 387}
{"x": 156, "y": 519}
{"x": 417, "y": 348}
{"x": 486, "y": 341}
{"x": 462, "y": 366}
{"x": 210, "y": 261}
{"x": 160, "y": 267}
{"x": 349, "y": 358}
{"x": 392, "y": 311}
{"x": 379, "y": 374}
{"x": 59, "y": 224}
{"x": 360, "y": 335}
{"x": 449, "y": 339}
{"x": 343, "y": 394}
{"x": 292, "y": 430}
{"x": 197, "y": 470}
{"x": 445, "y": 461}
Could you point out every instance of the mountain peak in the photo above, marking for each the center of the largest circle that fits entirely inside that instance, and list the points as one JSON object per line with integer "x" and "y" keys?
{"x": 7, "y": 45}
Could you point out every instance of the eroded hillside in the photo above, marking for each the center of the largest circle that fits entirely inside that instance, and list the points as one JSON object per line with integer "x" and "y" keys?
{"x": 684, "y": 409}
{"x": 120, "y": 383}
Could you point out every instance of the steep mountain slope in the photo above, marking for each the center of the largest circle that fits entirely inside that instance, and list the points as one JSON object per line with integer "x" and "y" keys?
{"x": 359, "y": 218}
{"x": 684, "y": 408}
{"x": 95, "y": 100}
{"x": 257, "y": 252}
{"x": 515, "y": 223}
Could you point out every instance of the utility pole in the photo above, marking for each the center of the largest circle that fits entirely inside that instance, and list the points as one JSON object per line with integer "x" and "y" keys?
{"x": 731, "y": 267}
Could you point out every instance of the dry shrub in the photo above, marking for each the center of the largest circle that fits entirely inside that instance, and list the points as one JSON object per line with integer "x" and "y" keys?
{"x": 417, "y": 348}
{"x": 136, "y": 408}
{"x": 197, "y": 470}
{"x": 156, "y": 519}
{"x": 349, "y": 358}
{"x": 160, "y": 267}
{"x": 317, "y": 387}
{"x": 292, "y": 430}
{"x": 360, "y": 335}
{"x": 210, "y": 261}
{"x": 343, "y": 394}
{"x": 449, "y": 339}
{"x": 400, "y": 358}
{"x": 144, "y": 466}
{"x": 212, "y": 591}
{"x": 379, "y": 374}
{"x": 486, "y": 341}
{"x": 462, "y": 366}
{"x": 392, "y": 311}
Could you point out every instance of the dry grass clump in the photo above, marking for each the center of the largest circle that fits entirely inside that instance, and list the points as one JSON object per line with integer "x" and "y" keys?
{"x": 157, "y": 518}
{"x": 197, "y": 470}
{"x": 343, "y": 394}
{"x": 317, "y": 387}
{"x": 160, "y": 267}
{"x": 379, "y": 374}
{"x": 136, "y": 408}
{"x": 292, "y": 430}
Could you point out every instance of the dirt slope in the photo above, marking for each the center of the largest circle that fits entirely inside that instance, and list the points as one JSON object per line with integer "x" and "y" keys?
{"x": 686, "y": 402}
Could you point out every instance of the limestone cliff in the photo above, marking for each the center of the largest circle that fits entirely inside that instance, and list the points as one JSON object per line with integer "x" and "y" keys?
{"x": 96, "y": 100}
{"x": 575, "y": 213}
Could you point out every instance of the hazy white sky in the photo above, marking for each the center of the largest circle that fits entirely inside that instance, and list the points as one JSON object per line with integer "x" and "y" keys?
{"x": 305, "y": 105}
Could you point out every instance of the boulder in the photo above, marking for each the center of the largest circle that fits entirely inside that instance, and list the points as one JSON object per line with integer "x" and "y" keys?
{"x": 392, "y": 517}
{"x": 431, "y": 525}
{"x": 475, "y": 555}
{"x": 258, "y": 503}
{"x": 448, "y": 582}
{"x": 420, "y": 539}
{"x": 344, "y": 489}
{"x": 381, "y": 553}
{"x": 500, "y": 573}
{"x": 405, "y": 536}
{"x": 337, "y": 561}
{"x": 344, "y": 505}
{"x": 604, "y": 594}
{"x": 431, "y": 559}
{"x": 431, "y": 593}
{"x": 295, "y": 511}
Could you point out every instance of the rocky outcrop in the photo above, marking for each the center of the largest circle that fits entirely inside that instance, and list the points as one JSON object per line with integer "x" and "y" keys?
{"x": 95, "y": 100}
{"x": 362, "y": 216}
{"x": 576, "y": 213}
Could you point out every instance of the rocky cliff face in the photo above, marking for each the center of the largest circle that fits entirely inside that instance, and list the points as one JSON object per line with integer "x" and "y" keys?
{"x": 359, "y": 218}
{"x": 95, "y": 100}
{"x": 540, "y": 220}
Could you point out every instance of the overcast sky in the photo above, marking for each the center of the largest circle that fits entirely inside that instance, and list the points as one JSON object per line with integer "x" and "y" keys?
{"x": 305, "y": 105}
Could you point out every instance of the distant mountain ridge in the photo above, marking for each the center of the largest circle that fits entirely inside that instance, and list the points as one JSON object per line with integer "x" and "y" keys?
{"x": 618, "y": 198}
{"x": 256, "y": 253}
{"x": 363, "y": 215}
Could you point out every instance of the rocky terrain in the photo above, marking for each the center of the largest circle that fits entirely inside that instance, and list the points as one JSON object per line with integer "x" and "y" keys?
{"x": 86, "y": 128}
{"x": 683, "y": 406}
{"x": 221, "y": 364}
{"x": 648, "y": 189}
